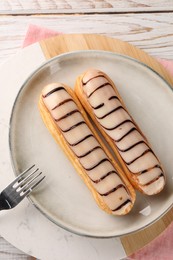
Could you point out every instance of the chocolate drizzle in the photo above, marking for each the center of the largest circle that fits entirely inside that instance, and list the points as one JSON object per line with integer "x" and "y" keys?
{"x": 98, "y": 76}
{"x": 126, "y": 134}
{"x": 112, "y": 111}
{"x": 122, "y": 205}
{"x": 53, "y": 91}
{"x": 104, "y": 176}
{"x": 62, "y": 103}
{"x": 99, "y": 106}
{"x": 102, "y": 86}
{"x": 67, "y": 115}
{"x": 150, "y": 182}
{"x": 131, "y": 147}
{"x": 147, "y": 170}
{"x": 90, "y": 151}
{"x": 97, "y": 164}
{"x": 80, "y": 141}
{"x": 113, "y": 97}
{"x": 115, "y": 127}
{"x": 73, "y": 126}
{"x": 112, "y": 190}
{"x": 145, "y": 152}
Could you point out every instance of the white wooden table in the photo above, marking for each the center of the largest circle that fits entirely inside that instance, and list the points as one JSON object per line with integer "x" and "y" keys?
{"x": 146, "y": 24}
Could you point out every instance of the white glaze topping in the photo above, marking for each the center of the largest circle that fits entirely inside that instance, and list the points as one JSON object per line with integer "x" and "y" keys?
{"x": 88, "y": 151}
{"x": 119, "y": 125}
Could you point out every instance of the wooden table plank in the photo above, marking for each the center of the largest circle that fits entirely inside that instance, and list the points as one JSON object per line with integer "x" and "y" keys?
{"x": 8, "y": 251}
{"x": 150, "y": 32}
{"x": 82, "y": 6}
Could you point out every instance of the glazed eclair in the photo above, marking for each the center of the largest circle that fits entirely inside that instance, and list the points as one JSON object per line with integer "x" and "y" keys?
{"x": 100, "y": 98}
{"x": 66, "y": 120}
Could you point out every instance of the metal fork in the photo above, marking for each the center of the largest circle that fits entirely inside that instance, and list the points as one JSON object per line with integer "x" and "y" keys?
{"x": 21, "y": 187}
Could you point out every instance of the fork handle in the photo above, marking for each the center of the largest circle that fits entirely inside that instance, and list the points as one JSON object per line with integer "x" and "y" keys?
{"x": 3, "y": 203}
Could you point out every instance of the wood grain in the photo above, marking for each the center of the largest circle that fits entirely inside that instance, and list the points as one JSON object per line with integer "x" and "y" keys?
{"x": 82, "y": 6}
{"x": 72, "y": 42}
{"x": 150, "y": 32}
{"x": 65, "y": 43}
{"x": 134, "y": 242}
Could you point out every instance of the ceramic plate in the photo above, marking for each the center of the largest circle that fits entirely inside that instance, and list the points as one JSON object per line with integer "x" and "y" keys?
{"x": 63, "y": 197}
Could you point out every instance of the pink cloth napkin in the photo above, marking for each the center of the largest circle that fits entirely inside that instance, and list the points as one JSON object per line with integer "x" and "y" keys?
{"x": 36, "y": 33}
{"x": 160, "y": 248}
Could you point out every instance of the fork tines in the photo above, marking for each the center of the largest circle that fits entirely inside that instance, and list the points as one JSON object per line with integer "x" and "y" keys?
{"x": 28, "y": 180}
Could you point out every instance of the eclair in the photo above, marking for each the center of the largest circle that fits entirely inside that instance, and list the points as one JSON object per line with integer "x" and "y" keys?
{"x": 100, "y": 98}
{"x": 68, "y": 123}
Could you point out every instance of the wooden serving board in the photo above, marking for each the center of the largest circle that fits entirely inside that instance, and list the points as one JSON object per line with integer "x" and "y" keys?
{"x": 72, "y": 42}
